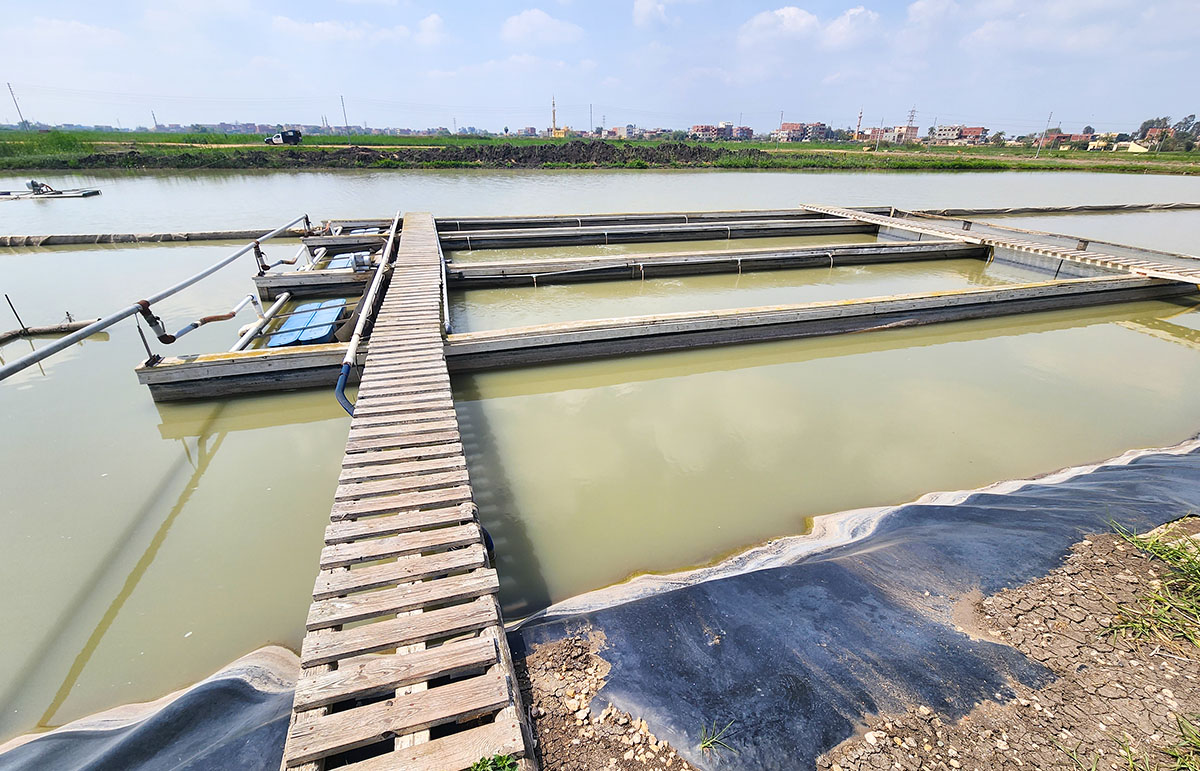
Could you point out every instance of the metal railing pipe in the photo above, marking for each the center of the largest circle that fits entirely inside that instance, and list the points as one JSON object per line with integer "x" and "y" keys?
{"x": 254, "y": 331}
{"x": 67, "y": 341}
{"x": 367, "y": 311}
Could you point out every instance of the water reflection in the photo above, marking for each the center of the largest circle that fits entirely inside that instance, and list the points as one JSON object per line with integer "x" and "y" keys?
{"x": 656, "y": 462}
{"x": 503, "y": 307}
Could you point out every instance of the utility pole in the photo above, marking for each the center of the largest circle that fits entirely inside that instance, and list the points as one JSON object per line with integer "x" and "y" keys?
{"x": 591, "y": 124}
{"x": 553, "y": 116}
{"x": 155, "y": 119}
{"x": 912, "y": 115}
{"x": 345, "y": 120}
{"x": 24, "y": 124}
{"x": 781, "y": 120}
{"x": 1043, "y": 136}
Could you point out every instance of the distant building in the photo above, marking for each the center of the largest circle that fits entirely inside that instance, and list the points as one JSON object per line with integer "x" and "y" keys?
{"x": 742, "y": 132}
{"x": 896, "y": 135}
{"x": 944, "y": 135}
{"x": 801, "y": 132}
{"x": 704, "y": 132}
{"x": 975, "y": 135}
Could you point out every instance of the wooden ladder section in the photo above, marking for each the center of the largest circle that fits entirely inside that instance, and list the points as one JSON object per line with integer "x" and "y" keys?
{"x": 1147, "y": 268}
{"x": 405, "y": 664}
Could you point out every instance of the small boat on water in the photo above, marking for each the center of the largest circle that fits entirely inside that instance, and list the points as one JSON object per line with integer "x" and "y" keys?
{"x": 35, "y": 189}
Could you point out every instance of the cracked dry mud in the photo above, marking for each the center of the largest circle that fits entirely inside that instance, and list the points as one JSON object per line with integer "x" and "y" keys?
{"x": 1109, "y": 688}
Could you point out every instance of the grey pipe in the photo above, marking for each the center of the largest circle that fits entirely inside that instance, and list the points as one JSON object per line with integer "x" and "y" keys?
{"x": 63, "y": 343}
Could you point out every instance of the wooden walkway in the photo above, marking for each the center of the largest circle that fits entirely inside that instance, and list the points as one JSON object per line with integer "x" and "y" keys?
{"x": 405, "y": 664}
{"x": 1140, "y": 267}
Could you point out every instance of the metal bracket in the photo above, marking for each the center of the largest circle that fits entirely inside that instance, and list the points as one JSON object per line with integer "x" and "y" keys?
{"x": 155, "y": 323}
{"x": 259, "y": 258}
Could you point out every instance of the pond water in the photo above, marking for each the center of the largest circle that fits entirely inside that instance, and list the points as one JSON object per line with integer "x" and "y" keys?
{"x": 595, "y": 471}
{"x": 175, "y": 200}
{"x": 145, "y": 546}
{"x": 655, "y": 247}
{"x": 479, "y": 309}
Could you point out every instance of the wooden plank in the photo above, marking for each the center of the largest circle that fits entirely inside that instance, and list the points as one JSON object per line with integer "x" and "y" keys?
{"x": 396, "y": 384}
{"x": 400, "y": 420}
{"x": 397, "y": 442}
{"x": 430, "y": 403}
{"x": 414, "y": 427}
{"x": 455, "y": 752}
{"x": 367, "y": 489}
{"x": 347, "y": 610}
{"x": 345, "y": 531}
{"x": 333, "y": 583}
{"x": 419, "y": 542}
{"x": 392, "y": 633}
{"x": 421, "y": 452}
{"x": 383, "y": 470}
{"x": 392, "y": 504}
{"x": 382, "y": 673}
{"x": 461, "y": 700}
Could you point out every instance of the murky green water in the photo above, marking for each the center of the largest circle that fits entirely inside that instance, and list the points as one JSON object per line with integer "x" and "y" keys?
{"x": 587, "y": 473}
{"x": 501, "y": 307}
{"x": 654, "y": 247}
{"x": 136, "y": 562}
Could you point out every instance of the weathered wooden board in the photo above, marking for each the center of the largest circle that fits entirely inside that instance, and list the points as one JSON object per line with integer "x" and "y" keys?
{"x": 404, "y": 564}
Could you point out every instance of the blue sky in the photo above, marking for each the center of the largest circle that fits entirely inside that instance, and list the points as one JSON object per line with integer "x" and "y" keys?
{"x": 1001, "y": 63}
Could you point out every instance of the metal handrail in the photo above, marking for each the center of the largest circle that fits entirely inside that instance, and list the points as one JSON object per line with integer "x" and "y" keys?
{"x": 141, "y": 306}
{"x": 367, "y": 307}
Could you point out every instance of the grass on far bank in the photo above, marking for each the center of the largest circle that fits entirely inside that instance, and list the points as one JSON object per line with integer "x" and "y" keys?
{"x": 78, "y": 150}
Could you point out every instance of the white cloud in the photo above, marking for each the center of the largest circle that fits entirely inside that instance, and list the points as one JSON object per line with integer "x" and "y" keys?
{"x": 42, "y": 35}
{"x": 850, "y": 28}
{"x": 536, "y": 27}
{"x": 925, "y": 12}
{"x": 790, "y": 24}
{"x": 430, "y": 31}
{"x": 787, "y": 23}
{"x": 647, "y": 12}
{"x": 338, "y": 31}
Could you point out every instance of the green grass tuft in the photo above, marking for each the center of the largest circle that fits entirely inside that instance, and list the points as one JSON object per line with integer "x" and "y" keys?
{"x": 495, "y": 763}
{"x": 712, "y": 740}
{"x": 1170, "y": 614}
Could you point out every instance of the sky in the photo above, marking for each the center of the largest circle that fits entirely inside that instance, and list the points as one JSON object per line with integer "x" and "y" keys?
{"x": 1005, "y": 64}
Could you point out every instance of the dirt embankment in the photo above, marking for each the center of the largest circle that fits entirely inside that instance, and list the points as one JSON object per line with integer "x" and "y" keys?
{"x": 558, "y": 681}
{"x": 523, "y": 156}
{"x": 1115, "y": 703}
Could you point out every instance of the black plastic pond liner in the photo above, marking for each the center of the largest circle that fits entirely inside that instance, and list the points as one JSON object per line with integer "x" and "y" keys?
{"x": 797, "y": 656}
{"x": 224, "y": 723}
